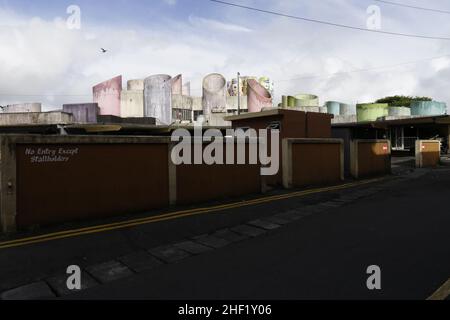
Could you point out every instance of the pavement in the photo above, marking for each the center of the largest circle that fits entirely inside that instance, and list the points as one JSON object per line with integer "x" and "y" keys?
{"x": 297, "y": 245}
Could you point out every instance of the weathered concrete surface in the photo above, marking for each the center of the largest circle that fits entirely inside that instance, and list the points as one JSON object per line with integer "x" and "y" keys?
{"x": 214, "y": 94}
{"x": 83, "y": 112}
{"x": 232, "y": 103}
{"x": 54, "y": 117}
{"x": 107, "y": 95}
{"x": 22, "y": 107}
{"x": 257, "y": 97}
{"x": 158, "y": 98}
{"x": 399, "y": 112}
{"x": 177, "y": 84}
{"x": 344, "y": 119}
{"x": 136, "y": 84}
{"x": 132, "y": 104}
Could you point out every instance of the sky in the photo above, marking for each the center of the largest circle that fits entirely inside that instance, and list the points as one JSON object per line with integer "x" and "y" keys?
{"x": 44, "y": 60}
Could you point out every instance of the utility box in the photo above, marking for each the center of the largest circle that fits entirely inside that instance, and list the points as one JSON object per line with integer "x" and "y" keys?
{"x": 428, "y": 153}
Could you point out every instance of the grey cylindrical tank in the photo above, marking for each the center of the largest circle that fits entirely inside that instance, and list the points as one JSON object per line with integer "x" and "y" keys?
{"x": 23, "y": 107}
{"x": 137, "y": 84}
{"x": 158, "y": 98}
{"x": 214, "y": 93}
{"x": 399, "y": 111}
{"x": 347, "y": 109}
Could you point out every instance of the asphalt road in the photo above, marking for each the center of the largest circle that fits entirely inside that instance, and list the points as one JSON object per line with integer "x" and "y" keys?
{"x": 404, "y": 229}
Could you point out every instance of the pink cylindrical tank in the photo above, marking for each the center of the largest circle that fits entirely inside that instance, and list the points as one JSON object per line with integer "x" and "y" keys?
{"x": 177, "y": 85}
{"x": 257, "y": 97}
{"x": 107, "y": 95}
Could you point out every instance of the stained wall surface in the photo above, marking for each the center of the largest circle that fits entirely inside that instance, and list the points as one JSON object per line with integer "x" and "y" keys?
{"x": 132, "y": 104}
{"x": 158, "y": 98}
{"x": 107, "y": 96}
{"x": 214, "y": 94}
{"x": 83, "y": 112}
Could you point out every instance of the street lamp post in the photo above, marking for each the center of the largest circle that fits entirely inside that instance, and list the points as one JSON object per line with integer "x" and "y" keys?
{"x": 239, "y": 93}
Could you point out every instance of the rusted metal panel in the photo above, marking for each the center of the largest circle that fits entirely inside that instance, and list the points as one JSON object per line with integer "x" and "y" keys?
{"x": 257, "y": 97}
{"x": 107, "y": 95}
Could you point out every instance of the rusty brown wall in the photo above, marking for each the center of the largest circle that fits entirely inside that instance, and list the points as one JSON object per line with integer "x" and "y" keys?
{"x": 318, "y": 125}
{"x": 316, "y": 164}
{"x": 200, "y": 183}
{"x": 373, "y": 159}
{"x": 431, "y": 154}
{"x": 100, "y": 180}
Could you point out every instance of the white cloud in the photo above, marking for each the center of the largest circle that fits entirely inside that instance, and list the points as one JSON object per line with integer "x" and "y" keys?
{"x": 43, "y": 57}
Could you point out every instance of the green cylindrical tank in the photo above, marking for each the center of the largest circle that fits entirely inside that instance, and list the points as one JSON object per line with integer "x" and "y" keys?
{"x": 371, "y": 111}
{"x": 333, "y": 107}
{"x": 284, "y": 101}
{"x": 306, "y": 100}
{"x": 291, "y": 101}
{"x": 428, "y": 108}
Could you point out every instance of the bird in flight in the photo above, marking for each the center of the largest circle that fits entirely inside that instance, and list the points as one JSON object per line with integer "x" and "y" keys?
{"x": 103, "y": 50}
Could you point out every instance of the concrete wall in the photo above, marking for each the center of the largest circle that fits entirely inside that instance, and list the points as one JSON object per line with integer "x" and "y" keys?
{"x": 107, "y": 95}
{"x": 132, "y": 104}
{"x": 83, "y": 112}
{"x": 137, "y": 84}
{"x": 54, "y": 117}
{"x": 428, "y": 108}
{"x": 399, "y": 111}
{"x": 177, "y": 85}
{"x": 370, "y": 158}
{"x": 22, "y": 108}
{"x": 309, "y": 162}
{"x": 158, "y": 98}
{"x": 428, "y": 153}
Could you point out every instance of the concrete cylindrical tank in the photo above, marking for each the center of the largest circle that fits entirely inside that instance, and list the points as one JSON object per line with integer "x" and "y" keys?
{"x": 347, "y": 109}
{"x": 371, "y": 111}
{"x": 23, "y": 107}
{"x": 158, "y": 98}
{"x": 137, "y": 84}
{"x": 306, "y": 100}
{"x": 428, "y": 108}
{"x": 395, "y": 111}
{"x": 214, "y": 94}
{"x": 177, "y": 85}
{"x": 333, "y": 107}
{"x": 258, "y": 97}
{"x": 284, "y": 101}
{"x": 107, "y": 95}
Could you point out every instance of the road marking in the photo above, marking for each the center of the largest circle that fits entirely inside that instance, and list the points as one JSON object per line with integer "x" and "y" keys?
{"x": 172, "y": 215}
{"x": 442, "y": 293}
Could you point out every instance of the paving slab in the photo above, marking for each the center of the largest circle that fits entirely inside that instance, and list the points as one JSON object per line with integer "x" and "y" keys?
{"x": 140, "y": 261}
{"x": 33, "y": 291}
{"x": 264, "y": 224}
{"x": 229, "y": 235}
{"x": 278, "y": 219}
{"x": 59, "y": 283}
{"x": 169, "y": 254}
{"x": 192, "y": 247}
{"x": 109, "y": 271}
{"x": 211, "y": 241}
{"x": 248, "y": 230}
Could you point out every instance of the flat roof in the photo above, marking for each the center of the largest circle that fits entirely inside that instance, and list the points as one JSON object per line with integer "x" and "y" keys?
{"x": 268, "y": 113}
{"x": 442, "y": 119}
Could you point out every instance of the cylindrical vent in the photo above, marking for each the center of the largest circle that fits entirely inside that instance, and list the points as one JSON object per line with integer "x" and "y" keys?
{"x": 258, "y": 97}
{"x": 214, "y": 94}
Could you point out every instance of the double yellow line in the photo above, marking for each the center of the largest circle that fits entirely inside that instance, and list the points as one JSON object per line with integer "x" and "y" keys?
{"x": 171, "y": 216}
